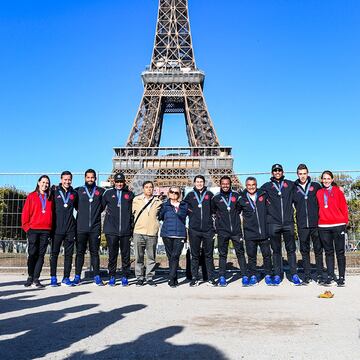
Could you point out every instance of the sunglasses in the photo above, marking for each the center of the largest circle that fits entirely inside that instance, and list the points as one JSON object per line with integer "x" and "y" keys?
{"x": 277, "y": 170}
{"x": 174, "y": 192}
{"x": 119, "y": 181}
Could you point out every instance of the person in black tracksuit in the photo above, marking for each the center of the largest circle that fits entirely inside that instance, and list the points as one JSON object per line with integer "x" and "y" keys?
{"x": 201, "y": 229}
{"x": 307, "y": 216}
{"x": 228, "y": 227}
{"x": 252, "y": 205}
{"x": 280, "y": 221}
{"x": 65, "y": 199}
{"x": 89, "y": 225}
{"x": 117, "y": 203}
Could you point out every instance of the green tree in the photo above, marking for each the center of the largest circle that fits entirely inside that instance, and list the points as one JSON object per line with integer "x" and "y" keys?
{"x": 11, "y": 204}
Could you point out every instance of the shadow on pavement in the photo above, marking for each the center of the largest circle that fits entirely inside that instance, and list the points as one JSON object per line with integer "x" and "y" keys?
{"x": 153, "y": 346}
{"x": 26, "y": 301}
{"x": 45, "y": 333}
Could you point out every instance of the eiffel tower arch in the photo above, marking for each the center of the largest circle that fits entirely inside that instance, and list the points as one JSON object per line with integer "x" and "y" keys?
{"x": 173, "y": 85}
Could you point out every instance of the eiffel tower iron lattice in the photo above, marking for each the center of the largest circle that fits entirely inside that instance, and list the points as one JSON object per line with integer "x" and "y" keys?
{"x": 173, "y": 84}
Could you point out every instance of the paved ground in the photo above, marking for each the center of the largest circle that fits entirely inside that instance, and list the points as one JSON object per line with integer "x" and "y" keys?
{"x": 89, "y": 322}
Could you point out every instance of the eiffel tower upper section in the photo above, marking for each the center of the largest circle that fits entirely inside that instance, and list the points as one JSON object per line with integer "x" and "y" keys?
{"x": 173, "y": 84}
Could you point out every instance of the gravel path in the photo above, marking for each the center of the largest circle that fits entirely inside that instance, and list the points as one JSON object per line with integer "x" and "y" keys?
{"x": 88, "y": 322}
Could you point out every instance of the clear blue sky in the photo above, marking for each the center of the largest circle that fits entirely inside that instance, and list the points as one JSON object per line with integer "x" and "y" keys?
{"x": 282, "y": 80}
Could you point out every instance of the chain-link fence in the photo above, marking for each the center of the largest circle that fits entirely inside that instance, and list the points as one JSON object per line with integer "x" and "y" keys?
{"x": 14, "y": 188}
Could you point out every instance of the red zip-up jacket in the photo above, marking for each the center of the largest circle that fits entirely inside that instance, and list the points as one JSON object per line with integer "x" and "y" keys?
{"x": 337, "y": 210}
{"x": 32, "y": 216}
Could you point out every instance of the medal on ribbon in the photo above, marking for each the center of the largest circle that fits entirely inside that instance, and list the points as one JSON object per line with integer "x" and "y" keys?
{"x": 43, "y": 202}
{"x": 326, "y": 196}
{"x": 227, "y": 203}
{"x": 200, "y": 200}
{"x": 252, "y": 203}
{"x": 90, "y": 196}
{"x": 278, "y": 188}
{"x": 306, "y": 192}
{"x": 118, "y": 194}
{"x": 65, "y": 199}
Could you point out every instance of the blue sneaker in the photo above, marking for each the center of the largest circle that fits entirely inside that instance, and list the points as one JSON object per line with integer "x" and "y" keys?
{"x": 124, "y": 281}
{"x": 98, "y": 281}
{"x": 112, "y": 281}
{"x": 245, "y": 281}
{"x": 296, "y": 280}
{"x": 277, "y": 280}
{"x": 222, "y": 281}
{"x": 76, "y": 280}
{"x": 268, "y": 280}
{"x": 66, "y": 282}
{"x": 253, "y": 281}
{"x": 53, "y": 281}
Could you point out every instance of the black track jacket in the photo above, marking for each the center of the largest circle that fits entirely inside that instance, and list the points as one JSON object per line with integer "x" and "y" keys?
{"x": 89, "y": 213}
{"x": 307, "y": 210}
{"x": 118, "y": 219}
{"x": 280, "y": 207}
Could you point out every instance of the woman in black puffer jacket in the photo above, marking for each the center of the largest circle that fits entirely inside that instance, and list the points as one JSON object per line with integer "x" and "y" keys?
{"x": 173, "y": 231}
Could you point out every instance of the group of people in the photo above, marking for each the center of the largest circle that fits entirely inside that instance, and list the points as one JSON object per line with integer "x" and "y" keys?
{"x": 256, "y": 217}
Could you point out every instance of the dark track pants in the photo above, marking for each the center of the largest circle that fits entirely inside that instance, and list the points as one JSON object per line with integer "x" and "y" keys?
{"x": 333, "y": 238}
{"x": 69, "y": 242}
{"x": 93, "y": 238}
{"x": 223, "y": 247}
{"x": 114, "y": 244}
{"x": 38, "y": 241}
{"x": 287, "y": 231}
{"x": 305, "y": 236}
{"x": 197, "y": 238}
{"x": 251, "y": 250}
{"x": 173, "y": 248}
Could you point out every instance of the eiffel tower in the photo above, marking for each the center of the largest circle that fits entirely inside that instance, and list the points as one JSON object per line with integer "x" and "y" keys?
{"x": 173, "y": 84}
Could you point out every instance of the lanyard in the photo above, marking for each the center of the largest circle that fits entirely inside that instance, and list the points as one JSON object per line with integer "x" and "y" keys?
{"x": 279, "y": 188}
{"x": 306, "y": 192}
{"x": 118, "y": 194}
{"x": 200, "y": 200}
{"x": 90, "y": 196}
{"x": 228, "y": 202}
{"x": 65, "y": 199}
{"x": 252, "y": 203}
{"x": 326, "y": 196}
{"x": 43, "y": 202}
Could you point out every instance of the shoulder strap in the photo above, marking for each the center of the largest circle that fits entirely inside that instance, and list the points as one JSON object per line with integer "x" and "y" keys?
{"x": 141, "y": 211}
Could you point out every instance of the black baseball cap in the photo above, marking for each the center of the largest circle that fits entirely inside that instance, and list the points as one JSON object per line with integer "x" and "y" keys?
{"x": 277, "y": 167}
{"x": 119, "y": 177}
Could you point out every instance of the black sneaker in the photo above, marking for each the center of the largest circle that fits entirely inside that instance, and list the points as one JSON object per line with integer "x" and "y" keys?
{"x": 140, "y": 282}
{"x": 320, "y": 280}
{"x": 212, "y": 283}
{"x": 341, "y": 282}
{"x": 28, "y": 282}
{"x": 194, "y": 283}
{"x": 151, "y": 282}
{"x": 328, "y": 282}
{"x": 172, "y": 283}
{"x": 307, "y": 280}
{"x": 38, "y": 284}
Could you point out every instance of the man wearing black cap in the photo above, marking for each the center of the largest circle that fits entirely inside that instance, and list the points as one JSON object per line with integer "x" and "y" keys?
{"x": 280, "y": 220}
{"x": 117, "y": 203}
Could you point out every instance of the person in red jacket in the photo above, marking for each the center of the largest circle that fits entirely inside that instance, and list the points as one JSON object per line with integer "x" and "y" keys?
{"x": 333, "y": 217}
{"x": 36, "y": 220}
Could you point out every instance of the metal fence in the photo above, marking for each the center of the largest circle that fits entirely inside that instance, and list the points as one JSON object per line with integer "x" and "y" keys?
{"x": 14, "y": 188}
